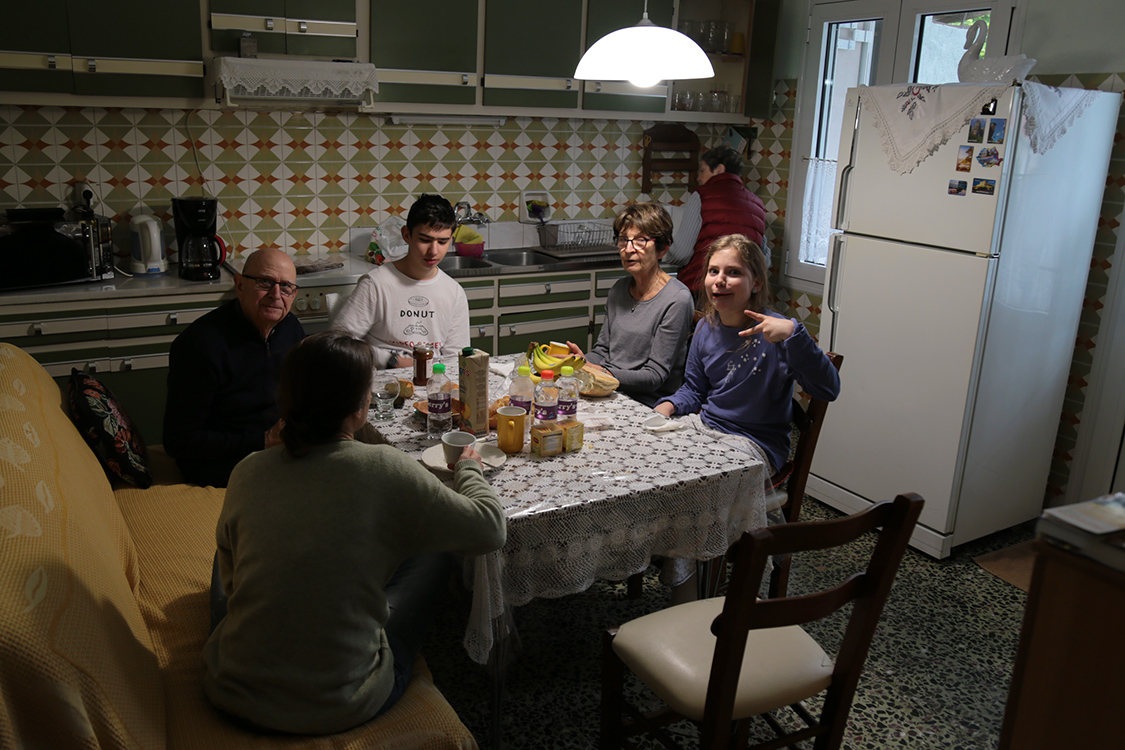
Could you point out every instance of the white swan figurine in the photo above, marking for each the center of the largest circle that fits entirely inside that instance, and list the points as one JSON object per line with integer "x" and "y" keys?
{"x": 975, "y": 69}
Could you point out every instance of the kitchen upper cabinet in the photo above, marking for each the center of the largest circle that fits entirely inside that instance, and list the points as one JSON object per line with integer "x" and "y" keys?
{"x": 425, "y": 52}
{"x": 319, "y": 28}
{"x": 128, "y": 47}
{"x": 603, "y": 17}
{"x": 136, "y": 48}
{"x": 35, "y": 48}
{"x": 530, "y": 53}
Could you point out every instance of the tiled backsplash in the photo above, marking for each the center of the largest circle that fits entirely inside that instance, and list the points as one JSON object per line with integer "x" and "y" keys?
{"x": 299, "y": 180}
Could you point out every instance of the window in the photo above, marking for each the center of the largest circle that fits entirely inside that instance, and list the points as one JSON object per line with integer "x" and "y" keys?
{"x": 864, "y": 42}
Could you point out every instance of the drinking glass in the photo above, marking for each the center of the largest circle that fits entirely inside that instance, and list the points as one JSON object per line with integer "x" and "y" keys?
{"x": 384, "y": 391}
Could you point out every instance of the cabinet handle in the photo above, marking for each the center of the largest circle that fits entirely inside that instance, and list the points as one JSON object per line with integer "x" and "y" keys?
{"x": 464, "y": 79}
{"x": 36, "y": 329}
{"x": 511, "y": 330}
{"x": 569, "y": 83}
{"x": 52, "y": 63}
{"x": 547, "y": 288}
{"x": 481, "y": 332}
{"x": 302, "y": 26}
{"x": 598, "y": 87}
{"x": 269, "y": 24}
{"x": 173, "y": 319}
{"x": 91, "y": 367}
{"x": 92, "y": 66}
{"x": 126, "y": 365}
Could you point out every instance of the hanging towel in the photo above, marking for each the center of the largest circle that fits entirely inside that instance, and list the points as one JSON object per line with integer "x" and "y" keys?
{"x": 914, "y": 121}
{"x": 1050, "y": 111}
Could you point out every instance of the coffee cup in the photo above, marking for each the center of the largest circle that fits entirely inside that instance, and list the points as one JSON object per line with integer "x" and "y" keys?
{"x": 454, "y": 442}
{"x": 510, "y": 428}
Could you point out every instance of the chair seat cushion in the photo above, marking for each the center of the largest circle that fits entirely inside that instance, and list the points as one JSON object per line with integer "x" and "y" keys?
{"x": 671, "y": 651}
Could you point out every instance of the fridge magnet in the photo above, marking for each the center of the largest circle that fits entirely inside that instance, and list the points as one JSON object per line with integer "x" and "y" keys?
{"x": 957, "y": 187}
{"x": 976, "y": 130}
{"x": 996, "y": 129}
{"x": 964, "y": 158}
{"x": 984, "y": 187}
{"x": 988, "y": 157}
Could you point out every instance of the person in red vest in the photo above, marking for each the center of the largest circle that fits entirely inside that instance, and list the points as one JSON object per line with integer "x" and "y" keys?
{"x": 720, "y": 206}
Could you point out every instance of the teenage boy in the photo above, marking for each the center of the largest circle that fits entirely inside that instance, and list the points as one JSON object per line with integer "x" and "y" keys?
{"x": 411, "y": 301}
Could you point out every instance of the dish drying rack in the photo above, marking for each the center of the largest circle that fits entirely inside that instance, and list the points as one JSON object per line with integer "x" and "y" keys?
{"x": 576, "y": 240}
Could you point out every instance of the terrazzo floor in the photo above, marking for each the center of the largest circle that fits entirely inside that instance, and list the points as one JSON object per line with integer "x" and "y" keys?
{"x": 937, "y": 676}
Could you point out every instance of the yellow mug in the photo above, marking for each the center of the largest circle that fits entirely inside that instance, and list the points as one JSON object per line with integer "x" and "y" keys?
{"x": 510, "y": 428}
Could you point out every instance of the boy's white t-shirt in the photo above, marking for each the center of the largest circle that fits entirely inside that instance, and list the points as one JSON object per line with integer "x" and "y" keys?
{"x": 393, "y": 312}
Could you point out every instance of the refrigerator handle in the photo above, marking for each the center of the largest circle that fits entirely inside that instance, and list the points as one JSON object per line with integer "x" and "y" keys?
{"x": 845, "y": 175}
{"x": 838, "y": 242}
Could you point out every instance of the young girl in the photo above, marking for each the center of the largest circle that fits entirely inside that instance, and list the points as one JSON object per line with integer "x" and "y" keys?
{"x": 744, "y": 358}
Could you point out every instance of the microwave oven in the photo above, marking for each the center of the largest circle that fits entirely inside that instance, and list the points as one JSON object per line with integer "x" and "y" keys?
{"x": 41, "y": 247}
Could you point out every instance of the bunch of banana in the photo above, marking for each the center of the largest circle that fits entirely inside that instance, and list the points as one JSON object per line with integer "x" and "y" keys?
{"x": 541, "y": 358}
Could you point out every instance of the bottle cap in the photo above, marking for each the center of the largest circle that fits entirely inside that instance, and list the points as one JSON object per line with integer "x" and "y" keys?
{"x": 546, "y": 375}
{"x": 439, "y": 368}
{"x": 567, "y": 371}
{"x": 525, "y": 371}
{"x": 468, "y": 351}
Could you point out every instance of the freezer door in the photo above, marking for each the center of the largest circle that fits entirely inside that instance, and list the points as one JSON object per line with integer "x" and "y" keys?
{"x": 906, "y": 319}
{"x": 924, "y": 206}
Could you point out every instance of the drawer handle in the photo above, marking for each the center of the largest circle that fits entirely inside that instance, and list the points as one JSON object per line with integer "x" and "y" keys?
{"x": 36, "y": 329}
{"x": 481, "y": 331}
{"x": 91, "y": 367}
{"x": 547, "y": 288}
{"x": 269, "y": 24}
{"x": 52, "y": 62}
{"x": 92, "y": 66}
{"x": 511, "y": 330}
{"x": 173, "y": 319}
{"x": 302, "y": 26}
{"x": 464, "y": 79}
{"x": 127, "y": 364}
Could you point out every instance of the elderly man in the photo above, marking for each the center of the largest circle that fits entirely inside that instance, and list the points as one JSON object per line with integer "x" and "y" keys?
{"x": 223, "y": 373}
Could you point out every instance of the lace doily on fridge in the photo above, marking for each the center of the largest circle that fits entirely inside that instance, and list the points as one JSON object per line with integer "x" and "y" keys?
{"x": 915, "y": 120}
{"x": 1050, "y": 111}
{"x": 298, "y": 79}
{"x": 604, "y": 511}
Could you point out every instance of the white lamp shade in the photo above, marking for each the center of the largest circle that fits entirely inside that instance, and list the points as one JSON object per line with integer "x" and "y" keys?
{"x": 644, "y": 55}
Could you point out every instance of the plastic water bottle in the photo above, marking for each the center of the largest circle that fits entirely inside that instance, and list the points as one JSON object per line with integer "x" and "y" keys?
{"x": 546, "y": 399}
{"x": 522, "y": 393}
{"x": 439, "y": 403}
{"x": 568, "y": 394}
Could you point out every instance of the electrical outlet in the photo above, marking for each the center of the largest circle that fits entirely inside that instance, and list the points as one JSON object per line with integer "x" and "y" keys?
{"x": 78, "y": 196}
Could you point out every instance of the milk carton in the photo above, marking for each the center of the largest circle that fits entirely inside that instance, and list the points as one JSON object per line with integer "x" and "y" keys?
{"x": 473, "y": 384}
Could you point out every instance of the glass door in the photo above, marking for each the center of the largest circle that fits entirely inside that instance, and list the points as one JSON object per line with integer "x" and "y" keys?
{"x": 847, "y": 47}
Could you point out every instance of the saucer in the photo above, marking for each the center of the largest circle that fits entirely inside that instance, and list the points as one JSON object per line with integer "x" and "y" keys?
{"x": 493, "y": 457}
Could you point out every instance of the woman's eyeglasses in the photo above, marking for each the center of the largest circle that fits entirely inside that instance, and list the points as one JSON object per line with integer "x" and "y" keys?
{"x": 638, "y": 243}
{"x": 288, "y": 288}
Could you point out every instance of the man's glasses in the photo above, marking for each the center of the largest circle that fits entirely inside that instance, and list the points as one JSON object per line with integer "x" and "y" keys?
{"x": 288, "y": 288}
{"x": 638, "y": 243}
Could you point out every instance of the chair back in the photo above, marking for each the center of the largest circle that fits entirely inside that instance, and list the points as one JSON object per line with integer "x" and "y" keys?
{"x": 743, "y": 611}
{"x": 795, "y": 473}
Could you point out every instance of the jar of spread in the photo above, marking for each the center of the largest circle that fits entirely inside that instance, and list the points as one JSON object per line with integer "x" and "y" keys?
{"x": 422, "y": 356}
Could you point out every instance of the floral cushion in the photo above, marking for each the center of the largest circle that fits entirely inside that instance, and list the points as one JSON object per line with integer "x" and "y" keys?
{"x": 108, "y": 430}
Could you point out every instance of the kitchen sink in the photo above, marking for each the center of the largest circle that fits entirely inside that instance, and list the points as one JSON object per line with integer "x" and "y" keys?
{"x": 518, "y": 258}
{"x": 461, "y": 262}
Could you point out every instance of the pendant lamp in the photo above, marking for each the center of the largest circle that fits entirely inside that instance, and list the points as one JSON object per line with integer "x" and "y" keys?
{"x": 644, "y": 55}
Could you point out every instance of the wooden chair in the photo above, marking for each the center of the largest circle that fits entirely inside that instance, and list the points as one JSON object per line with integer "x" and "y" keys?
{"x": 721, "y": 661}
{"x": 786, "y": 493}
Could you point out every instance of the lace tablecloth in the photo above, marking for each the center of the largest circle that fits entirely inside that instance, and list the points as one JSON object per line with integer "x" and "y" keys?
{"x": 601, "y": 512}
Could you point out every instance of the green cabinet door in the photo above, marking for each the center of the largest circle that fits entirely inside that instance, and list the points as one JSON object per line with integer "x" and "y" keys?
{"x": 425, "y": 53}
{"x": 35, "y": 48}
{"x": 530, "y": 53}
{"x": 603, "y": 17}
{"x": 136, "y": 48}
{"x": 318, "y": 28}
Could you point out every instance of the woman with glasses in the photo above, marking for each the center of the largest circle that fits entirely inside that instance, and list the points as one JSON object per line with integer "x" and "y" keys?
{"x": 334, "y": 555}
{"x": 648, "y": 314}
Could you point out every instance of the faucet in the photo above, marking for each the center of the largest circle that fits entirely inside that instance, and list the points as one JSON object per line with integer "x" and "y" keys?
{"x": 465, "y": 214}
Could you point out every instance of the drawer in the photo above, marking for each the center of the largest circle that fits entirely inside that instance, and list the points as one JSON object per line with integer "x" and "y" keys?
{"x": 545, "y": 289}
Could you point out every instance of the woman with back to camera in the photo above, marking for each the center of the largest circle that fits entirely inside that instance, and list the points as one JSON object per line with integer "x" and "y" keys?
{"x": 334, "y": 555}
{"x": 648, "y": 314}
{"x": 745, "y": 358}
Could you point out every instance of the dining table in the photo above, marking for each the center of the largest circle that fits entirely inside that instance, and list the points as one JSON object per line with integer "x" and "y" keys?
{"x": 601, "y": 512}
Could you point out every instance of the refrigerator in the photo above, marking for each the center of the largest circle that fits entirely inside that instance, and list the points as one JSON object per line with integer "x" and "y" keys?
{"x": 954, "y": 293}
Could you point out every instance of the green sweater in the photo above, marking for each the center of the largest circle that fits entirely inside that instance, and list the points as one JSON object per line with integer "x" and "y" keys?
{"x": 305, "y": 548}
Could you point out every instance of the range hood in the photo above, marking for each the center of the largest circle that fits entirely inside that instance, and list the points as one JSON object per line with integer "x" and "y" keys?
{"x": 257, "y": 82}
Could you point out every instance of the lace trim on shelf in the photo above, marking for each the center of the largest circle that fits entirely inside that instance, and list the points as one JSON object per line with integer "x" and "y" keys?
{"x": 296, "y": 79}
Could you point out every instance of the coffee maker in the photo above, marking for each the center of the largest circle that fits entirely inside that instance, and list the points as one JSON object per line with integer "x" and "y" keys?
{"x": 201, "y": 250}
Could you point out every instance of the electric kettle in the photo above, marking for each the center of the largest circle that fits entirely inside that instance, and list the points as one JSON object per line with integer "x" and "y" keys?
{"x": 146, "y": 246}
